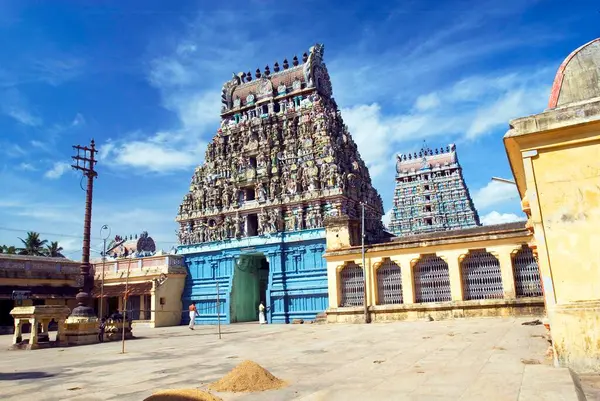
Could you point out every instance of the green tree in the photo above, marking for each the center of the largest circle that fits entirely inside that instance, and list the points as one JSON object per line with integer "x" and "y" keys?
{"x": 11, "y": 250}
{"x": 54, "y": 250}
{"x": 32, "y": 245}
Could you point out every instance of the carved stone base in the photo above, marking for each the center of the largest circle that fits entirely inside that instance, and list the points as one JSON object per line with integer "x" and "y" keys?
{"x": 114, "y": 331}
{"x": 81, "y": 330}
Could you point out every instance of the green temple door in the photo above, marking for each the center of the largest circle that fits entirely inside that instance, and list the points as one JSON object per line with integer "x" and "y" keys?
{"x": 248, "y": 287}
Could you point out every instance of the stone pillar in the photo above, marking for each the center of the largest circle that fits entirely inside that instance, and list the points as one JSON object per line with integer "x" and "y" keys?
{"x": 371, "y": 281}
{"x": 33, "y": 338}
{"x": 17, "y": 334}
{"x": 453, "y": 258}
{"x": 332, "y": 284}
{"x": 406, "y": 269}
{"x": 143, "y": 308}
{"x": 504, "y": 256}
{"x": 60, "y": 331}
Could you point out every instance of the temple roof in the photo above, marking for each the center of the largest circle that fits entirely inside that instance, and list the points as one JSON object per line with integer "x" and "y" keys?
{"x": 426, "y": 158}
{"x": 578, "y": 77}
{"x": 308, "y": 72}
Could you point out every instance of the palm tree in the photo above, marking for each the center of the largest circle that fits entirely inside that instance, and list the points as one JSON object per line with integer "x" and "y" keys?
{"x": 10, "y": 250}
{"x": 54, "y": 250}
{"x": 33, "y": 245}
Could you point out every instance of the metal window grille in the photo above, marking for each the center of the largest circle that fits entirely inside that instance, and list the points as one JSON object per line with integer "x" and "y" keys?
{"x": 353, "y": 285}
{"x": 481, "y": 276}
{"x": 432, "y": 280}
{"x": 527, "y": 274}
{"x": 389, "y": 283}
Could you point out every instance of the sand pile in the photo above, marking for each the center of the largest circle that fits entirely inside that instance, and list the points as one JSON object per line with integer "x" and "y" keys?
{"x": 182, "y": 395}
{"x": 248, "y": 376}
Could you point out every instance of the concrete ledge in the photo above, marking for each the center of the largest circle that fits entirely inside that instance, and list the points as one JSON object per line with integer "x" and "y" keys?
{"x": 541, "y": 382}
{"x": 440, "y": 311}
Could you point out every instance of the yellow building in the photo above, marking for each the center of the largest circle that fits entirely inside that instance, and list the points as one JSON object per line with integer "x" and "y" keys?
{"x": 482, "y": 271}
{"x": 154, "y": 284}
{"x": 555, "y": 158}
{"x": 50, "y": 281}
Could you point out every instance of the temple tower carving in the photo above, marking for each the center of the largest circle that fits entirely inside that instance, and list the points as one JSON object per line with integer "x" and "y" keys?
{"x": 282, "y": 160}
{"x": 431, "y": 194}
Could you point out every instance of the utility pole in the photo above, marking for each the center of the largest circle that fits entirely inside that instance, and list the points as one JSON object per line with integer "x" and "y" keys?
{"x": 104, "y": 238}
{"x": 85, "y": 162}
{"x": 367, "y": 317}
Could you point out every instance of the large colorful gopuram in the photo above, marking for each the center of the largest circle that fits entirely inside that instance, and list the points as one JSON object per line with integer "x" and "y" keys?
{"x": 253, "y": 221}
{"x": 431, "y": 194}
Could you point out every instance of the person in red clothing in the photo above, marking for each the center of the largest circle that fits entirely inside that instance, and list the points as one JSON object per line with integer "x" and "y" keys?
{"x": 193, "y": 314}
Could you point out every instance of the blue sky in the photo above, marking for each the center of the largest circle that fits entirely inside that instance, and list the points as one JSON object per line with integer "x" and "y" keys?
{"x": 143, "y": 79}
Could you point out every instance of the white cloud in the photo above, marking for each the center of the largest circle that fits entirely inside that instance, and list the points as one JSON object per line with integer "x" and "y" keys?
{"x": 495, "y": 193}
{"x": 16, "y": 106}
{"x": 387, "y": 218}
{"x": 426, "y": 102}
{"x": 154, "y": 155}
{"x": 27, "y": 167}
{"x": 371, "y": 132}
{"x": 78, "y": 120}
{"x": 57, "y": 170}
{"x": 500, "y": 218}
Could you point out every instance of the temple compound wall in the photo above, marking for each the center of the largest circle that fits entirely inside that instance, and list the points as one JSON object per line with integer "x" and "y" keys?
{"x": 476, "y": 272}
{"x": 253, "y": 221}
{"x": 555, "y": 158}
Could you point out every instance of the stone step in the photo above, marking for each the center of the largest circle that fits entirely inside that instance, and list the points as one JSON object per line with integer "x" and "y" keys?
{"x": 544, "y": 382}
{"x": 321, "y": 318}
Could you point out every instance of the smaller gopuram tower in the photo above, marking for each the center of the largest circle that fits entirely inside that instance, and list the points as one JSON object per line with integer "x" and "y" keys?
{"x": 431, "y": 194}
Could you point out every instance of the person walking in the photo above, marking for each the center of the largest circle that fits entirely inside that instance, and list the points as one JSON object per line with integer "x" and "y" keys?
{"x": 261, "y": 314}
{"x": 193, "y": 313}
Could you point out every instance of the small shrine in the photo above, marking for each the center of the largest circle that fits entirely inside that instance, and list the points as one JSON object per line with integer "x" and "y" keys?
{"x": 39, "y": 317}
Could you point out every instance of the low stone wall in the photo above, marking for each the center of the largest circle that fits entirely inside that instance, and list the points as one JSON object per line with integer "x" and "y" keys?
{"x": 441, "y": 311}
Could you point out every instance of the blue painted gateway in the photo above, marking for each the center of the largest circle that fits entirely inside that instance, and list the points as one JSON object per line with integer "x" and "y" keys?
{"x": 285, "y": 271}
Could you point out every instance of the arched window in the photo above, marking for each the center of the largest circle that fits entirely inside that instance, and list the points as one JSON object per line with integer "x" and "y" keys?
{"x": 389, "y": 283}
{"x": 481, "y": 276}
{"x": 527, "y": 274}
{"x": 353, "y": 285}
{"x": 432, "y": 280}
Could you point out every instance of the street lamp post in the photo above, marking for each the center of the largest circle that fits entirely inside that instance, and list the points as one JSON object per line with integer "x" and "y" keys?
{"x": 367, "y": 317}
{"x": 504, "y": 180}
{"x": 106, "y": 229}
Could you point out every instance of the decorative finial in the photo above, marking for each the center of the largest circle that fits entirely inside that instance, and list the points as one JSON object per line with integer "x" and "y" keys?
{"x": 295, "y": 61}
{"x": 257, "y": 73}
{"x": 249, "y": 76}
{"x": 285, "y": 64}
{"x": 267, "y": 71}
{"x": 304, "y": 57}
{"x": 276, "y": 67}
{"x": 243, "y": 77}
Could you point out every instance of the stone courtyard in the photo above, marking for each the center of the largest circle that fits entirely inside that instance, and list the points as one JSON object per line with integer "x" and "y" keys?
{"x": 478, "y": 359}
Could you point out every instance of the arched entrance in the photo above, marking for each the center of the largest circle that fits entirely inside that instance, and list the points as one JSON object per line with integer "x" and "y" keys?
{"x": 249, "y": 287}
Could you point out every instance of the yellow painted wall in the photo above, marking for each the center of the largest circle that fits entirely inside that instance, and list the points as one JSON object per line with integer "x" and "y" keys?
{"x": 171, "y": 290}
{"x": 555, "y": 157}
{"x": 568, "y": 192}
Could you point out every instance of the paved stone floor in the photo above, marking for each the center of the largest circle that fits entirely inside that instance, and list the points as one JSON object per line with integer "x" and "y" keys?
{"x": 480, "y": 359}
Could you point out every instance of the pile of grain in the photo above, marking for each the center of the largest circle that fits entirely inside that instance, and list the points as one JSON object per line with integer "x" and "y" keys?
{"x": 182, "y": 395}
{"x": 248, "y": 376}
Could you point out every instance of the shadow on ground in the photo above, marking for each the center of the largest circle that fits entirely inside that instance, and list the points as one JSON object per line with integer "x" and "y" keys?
{"x": 25, "y": 375}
